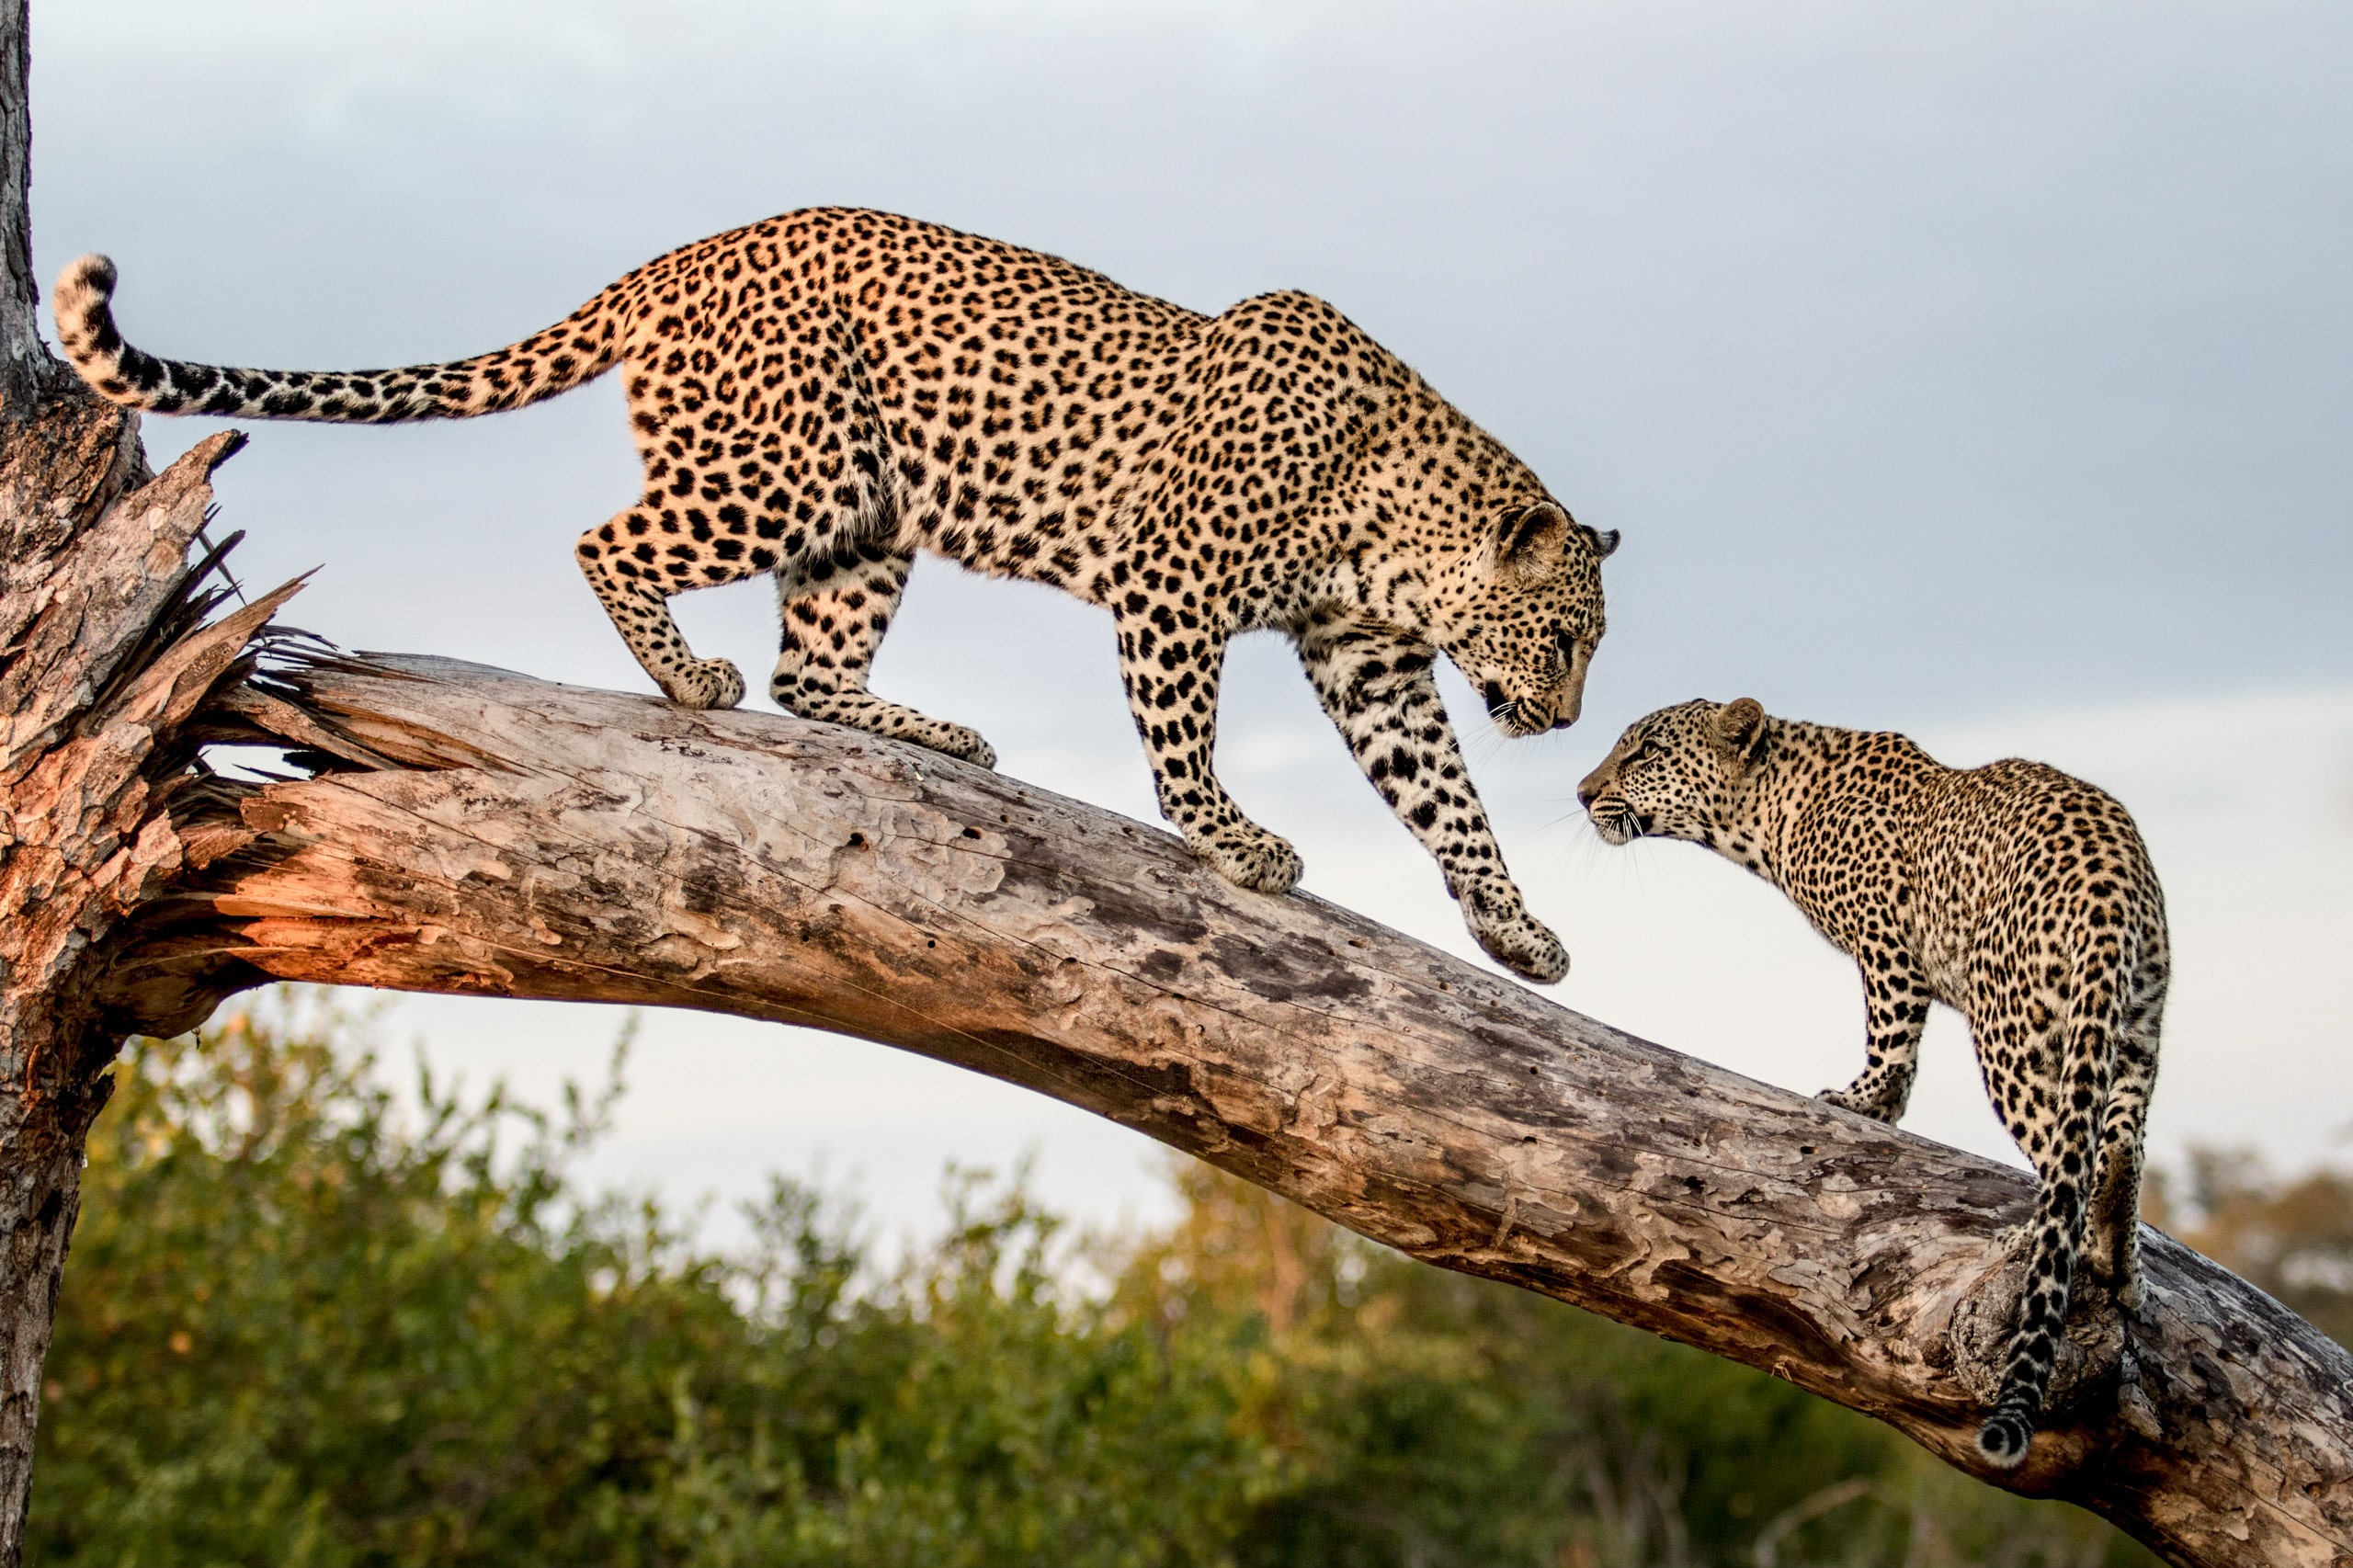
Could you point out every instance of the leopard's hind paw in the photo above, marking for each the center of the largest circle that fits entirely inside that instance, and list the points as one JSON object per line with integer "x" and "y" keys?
{"x": 1249, "y": 856}
{"x": 706, "y": 683}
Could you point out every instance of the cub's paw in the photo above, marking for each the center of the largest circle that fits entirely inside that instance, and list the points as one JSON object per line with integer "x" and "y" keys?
{"x": 1846, "y": 1099}
{"x": 706, "y": 683}
{"x": 1513, "y": 937}
{"x": 1249, "y": 856}
{"x": 2014, "y": 1243}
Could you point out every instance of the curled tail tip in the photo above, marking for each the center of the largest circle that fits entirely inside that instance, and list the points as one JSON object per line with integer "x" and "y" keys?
{"x": 81, "y": 305}
{"x": 85, "y": 290}
{"x": 2004, "y": 1439}
{"x": 85, "y": 274}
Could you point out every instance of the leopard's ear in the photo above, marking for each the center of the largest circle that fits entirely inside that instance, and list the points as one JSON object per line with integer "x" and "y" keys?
{"x": 1741, "y": 726}
{"x": 1532, "y": 541}
{"x": 1603, "y": 542}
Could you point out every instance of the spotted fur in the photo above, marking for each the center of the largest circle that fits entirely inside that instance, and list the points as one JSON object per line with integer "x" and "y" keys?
{"x": 821, "y": 395}
{"x": 2012, "y": 892}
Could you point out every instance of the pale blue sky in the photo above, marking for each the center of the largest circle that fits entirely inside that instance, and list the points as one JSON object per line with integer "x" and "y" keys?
{"x": 1981, "y": 371}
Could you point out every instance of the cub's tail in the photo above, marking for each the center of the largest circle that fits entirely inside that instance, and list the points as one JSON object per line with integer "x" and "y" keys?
{"x": 579, "y": 349}
{"x": 2088, "y": 1057}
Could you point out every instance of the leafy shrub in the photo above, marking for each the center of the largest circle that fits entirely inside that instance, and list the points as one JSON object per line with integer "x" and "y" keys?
{"x": 302, "y": 1325}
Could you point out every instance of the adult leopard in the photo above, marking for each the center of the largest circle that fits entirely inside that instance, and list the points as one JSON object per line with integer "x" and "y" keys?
{"x": 2020, "y": 897}
{"x": 823, "y": 395}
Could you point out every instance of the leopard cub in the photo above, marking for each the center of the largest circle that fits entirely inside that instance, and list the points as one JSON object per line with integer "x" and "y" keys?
{"x": 2017, "y": 895}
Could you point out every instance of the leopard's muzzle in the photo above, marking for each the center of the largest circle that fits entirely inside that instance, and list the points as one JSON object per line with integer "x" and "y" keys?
{"x": 1612, "y": 815}
{"x": 1516, "y": 715}
{"x": 1617, "y": 822}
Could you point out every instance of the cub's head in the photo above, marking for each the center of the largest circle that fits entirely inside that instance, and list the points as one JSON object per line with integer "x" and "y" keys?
{"x": 1520, "y": 613}
{"x": 1673, "y": 773}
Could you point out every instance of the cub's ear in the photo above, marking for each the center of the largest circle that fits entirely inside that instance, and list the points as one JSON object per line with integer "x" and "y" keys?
{"x": 1603, "y": 544}
{"x": 1741, "y": 726}
{"x": 1531, "y": 541}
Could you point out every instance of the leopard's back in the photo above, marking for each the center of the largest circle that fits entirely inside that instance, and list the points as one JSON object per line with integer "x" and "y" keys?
{"x": 2026, "y": 868}
{"x": 1021, "y": 415}
{"x": 996, "y": 404}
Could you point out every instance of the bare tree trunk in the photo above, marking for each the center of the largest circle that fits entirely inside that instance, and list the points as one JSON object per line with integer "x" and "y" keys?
{"x": 483, "y": 832}
{"x": 65, "y": 804}
{"x": 102, "y": 654}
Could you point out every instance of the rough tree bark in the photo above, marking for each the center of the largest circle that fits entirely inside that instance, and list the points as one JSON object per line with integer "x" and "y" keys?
{"x": 471, "y": 831}
{"x": 84, "y": 583}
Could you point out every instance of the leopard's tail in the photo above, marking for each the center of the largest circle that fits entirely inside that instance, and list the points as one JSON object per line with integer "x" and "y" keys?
{"x": 2095, "y": 1018}
{"x": 579, "y": 349}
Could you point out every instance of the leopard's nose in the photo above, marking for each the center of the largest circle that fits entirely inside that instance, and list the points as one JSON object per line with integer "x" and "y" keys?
{"x": 1587, "y": 791}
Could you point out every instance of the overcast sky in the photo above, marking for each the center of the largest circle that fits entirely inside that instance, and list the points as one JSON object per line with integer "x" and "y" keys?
{"x": 1982, "y": 371}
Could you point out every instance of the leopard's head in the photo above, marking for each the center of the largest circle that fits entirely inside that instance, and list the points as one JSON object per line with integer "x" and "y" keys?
{"x": 1520, "y": 614}
{"x": 1675, "y": 773}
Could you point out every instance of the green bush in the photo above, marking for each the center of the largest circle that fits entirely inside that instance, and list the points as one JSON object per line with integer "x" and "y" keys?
{"x": 303, "y": 1327}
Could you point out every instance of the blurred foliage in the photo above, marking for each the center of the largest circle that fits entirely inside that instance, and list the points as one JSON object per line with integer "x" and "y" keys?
{"x": 2292, "y": 1238}
{"x": 1429, "y": 1419}
{"x": 302, "y": 1327}
{"x": 306, "y": 1324}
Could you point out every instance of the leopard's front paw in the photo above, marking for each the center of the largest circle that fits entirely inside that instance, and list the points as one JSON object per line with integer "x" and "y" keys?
{"x": 1512, "y": 936}
{"x": 706, "y": 683}
{"x": 1846, "y": 1099}
{"x": 1249, "y": 856}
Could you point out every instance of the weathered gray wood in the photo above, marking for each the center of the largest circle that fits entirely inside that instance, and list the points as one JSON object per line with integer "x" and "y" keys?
{"x": 23, "y": 359}
{"x": 500, "y": 836}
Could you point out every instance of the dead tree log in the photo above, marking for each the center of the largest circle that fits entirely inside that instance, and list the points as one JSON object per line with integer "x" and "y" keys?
{"x": 479, "y": 832}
